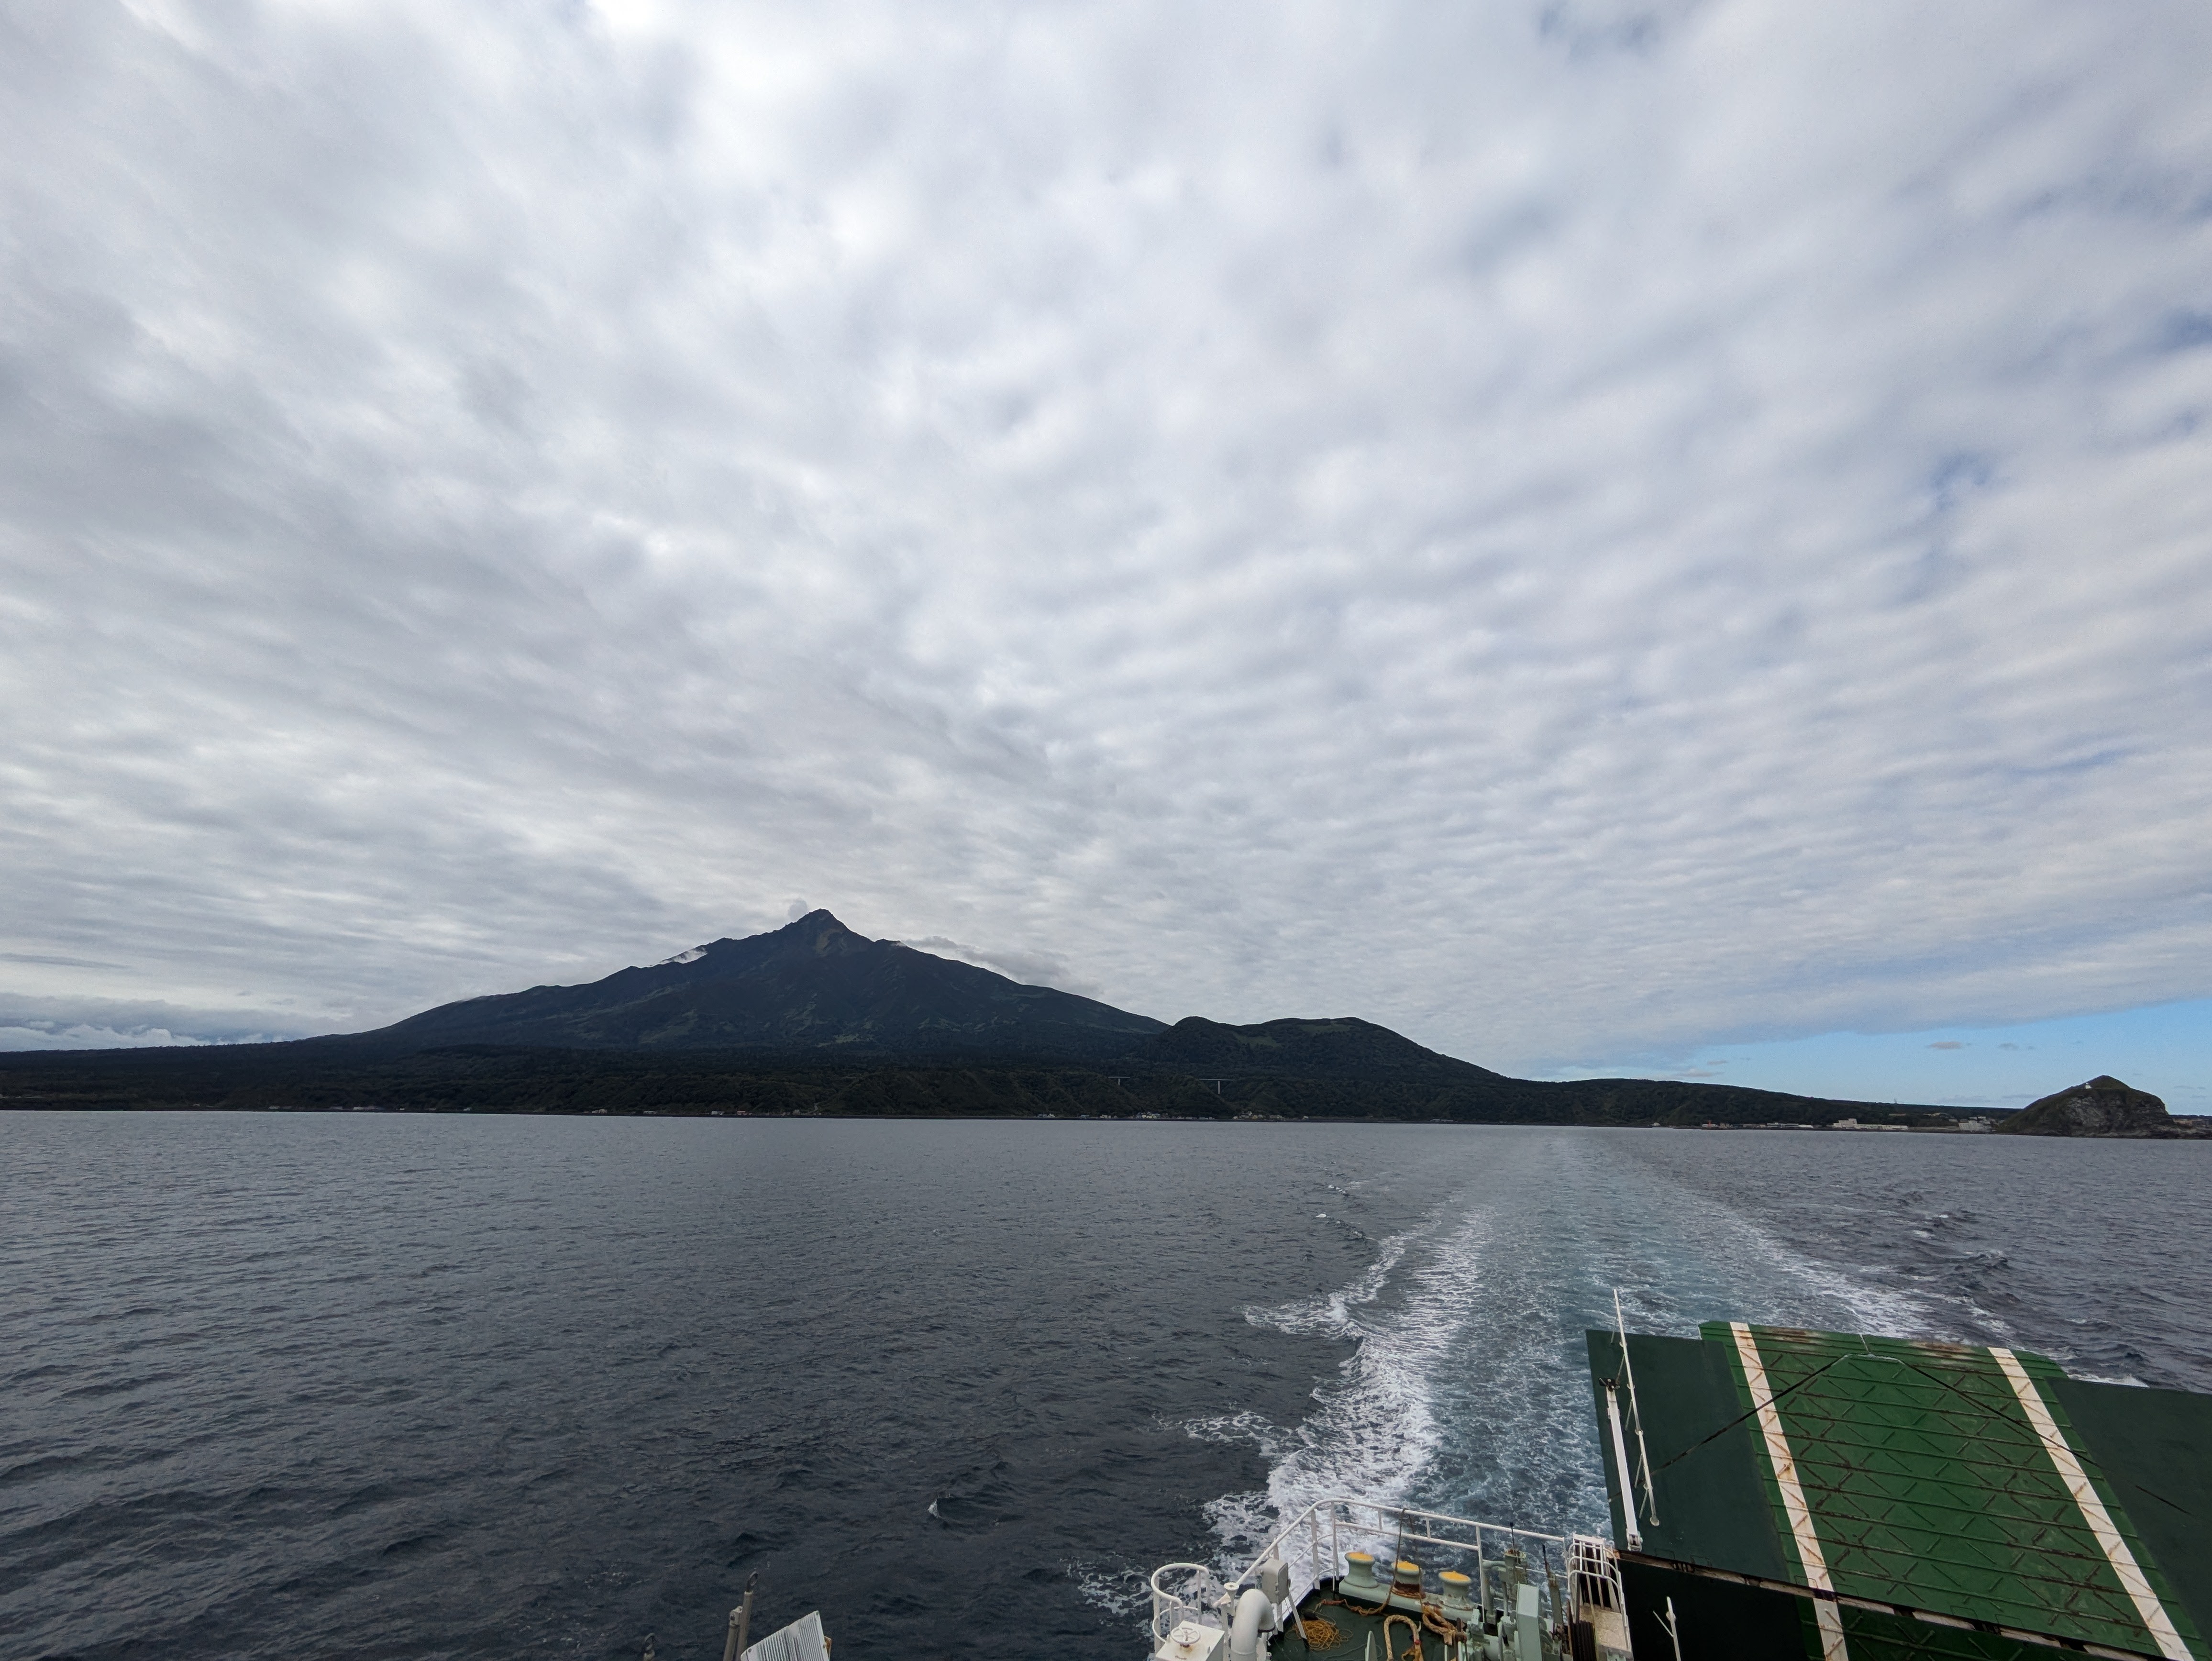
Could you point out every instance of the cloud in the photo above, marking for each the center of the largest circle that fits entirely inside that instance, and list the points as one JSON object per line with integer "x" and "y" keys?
{"x": 1563, "y": 528}
{"x": 1947, "y": 1043}
{"x": 45, "y": 961}
{"x": 1031, "y": 968}
{"x": 28, "y": 1023}
{"x": 92, "y": 1038}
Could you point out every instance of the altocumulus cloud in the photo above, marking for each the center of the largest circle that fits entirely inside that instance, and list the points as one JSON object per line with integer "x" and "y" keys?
{"x": 1564, "y": 527}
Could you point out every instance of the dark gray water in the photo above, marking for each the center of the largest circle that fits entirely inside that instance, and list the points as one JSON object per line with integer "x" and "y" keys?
{"x": 411, "y": 1386}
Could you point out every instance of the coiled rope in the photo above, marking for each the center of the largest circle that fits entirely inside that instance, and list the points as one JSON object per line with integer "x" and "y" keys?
{"x": 1432, "y": 1617}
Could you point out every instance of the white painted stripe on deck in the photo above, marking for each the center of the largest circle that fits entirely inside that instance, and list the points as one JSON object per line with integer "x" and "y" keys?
{"x": 1830, "y": 1619}
{"x": 2132, "y": 1579}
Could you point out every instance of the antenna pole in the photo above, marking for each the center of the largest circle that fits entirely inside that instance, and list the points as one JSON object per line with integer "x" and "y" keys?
{"x": 741, "y": 1622}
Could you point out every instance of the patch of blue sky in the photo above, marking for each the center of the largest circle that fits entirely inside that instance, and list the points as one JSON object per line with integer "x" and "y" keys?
{"x": 2166, "y": 1048}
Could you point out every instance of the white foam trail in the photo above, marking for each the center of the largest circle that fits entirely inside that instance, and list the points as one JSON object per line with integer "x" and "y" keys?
{"x": 1711, "y": 1264}
{"x": 1331, "y": 1313}
{"x": 1374, "y": 1432}
{"x": 1467, "y": 1389}
{"x": 1246, "y": 1429}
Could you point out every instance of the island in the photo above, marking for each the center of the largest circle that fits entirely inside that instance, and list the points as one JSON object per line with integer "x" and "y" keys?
{"x": 813, "y": 1019}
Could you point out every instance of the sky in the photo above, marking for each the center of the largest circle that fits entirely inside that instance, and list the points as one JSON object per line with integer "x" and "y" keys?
{"x": 1656, "y": 537}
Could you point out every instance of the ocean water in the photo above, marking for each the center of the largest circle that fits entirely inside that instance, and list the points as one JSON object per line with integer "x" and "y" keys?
{"x": 293, "y": 1384}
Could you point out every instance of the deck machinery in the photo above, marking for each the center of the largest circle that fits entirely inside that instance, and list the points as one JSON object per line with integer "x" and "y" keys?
{"x": 1357, "y": 1581}
{"x": 1775, "y": 1493}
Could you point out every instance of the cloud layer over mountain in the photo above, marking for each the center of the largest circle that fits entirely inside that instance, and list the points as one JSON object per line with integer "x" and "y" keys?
{"x": 1571, "y": 529}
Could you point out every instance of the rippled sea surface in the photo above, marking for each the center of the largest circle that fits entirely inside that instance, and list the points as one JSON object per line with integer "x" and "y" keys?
{"x": 287, "y": 1385}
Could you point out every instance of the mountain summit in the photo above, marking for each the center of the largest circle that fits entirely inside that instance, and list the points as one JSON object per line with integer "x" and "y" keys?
{"x": 811, "y": 986}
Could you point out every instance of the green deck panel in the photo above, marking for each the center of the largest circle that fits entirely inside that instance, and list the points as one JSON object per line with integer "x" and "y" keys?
{"x": 1708, "y": 1463}
{"x": 1929, "y": 1490}
{"x": 2154, "y": 1448}
{"x": 1929, "y": 1486}
{"x": 1871, "y": 1635}
{"x": 1718, "y": 1622}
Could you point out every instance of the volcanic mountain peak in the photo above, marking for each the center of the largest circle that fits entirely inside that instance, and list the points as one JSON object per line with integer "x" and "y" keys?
{"x": 813, "y": 1017}
{"x": 810, "y": 985}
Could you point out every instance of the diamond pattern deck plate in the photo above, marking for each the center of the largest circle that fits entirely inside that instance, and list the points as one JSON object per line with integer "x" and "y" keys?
{"x": 1929, "y": 1488}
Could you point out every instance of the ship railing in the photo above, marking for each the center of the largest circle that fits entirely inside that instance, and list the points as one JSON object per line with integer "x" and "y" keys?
{"x": 1567, "y": 1570}
{"x": 1185, "y": 1594}
{"x": 1594, "y": 1574}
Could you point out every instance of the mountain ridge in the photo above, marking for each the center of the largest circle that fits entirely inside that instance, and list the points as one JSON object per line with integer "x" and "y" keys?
{"x": 1335, "y": 1046}
{"x": 815, "y": 987}
{"x": 813, "y": 1018}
